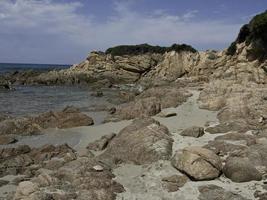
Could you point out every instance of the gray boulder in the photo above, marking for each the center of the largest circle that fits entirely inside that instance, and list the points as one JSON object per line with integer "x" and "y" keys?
{"x": 142, "y": 142}
{"x": 198, "y": 163}
{"x": 241, "y": 170}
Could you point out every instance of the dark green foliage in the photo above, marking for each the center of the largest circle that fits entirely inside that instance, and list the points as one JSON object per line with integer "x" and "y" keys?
{"x": 232, "y": 49}
{"x": 146, "y": 48}
{"x": 243, "y": 34}
{"x": 258, "y": 36}
{"x": 255, "y": 34}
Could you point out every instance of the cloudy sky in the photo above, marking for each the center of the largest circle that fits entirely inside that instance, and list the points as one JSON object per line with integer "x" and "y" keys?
{"x": 64, "y": 31}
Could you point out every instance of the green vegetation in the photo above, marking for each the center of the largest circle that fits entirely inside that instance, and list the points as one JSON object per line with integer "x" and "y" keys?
{"x": 232, "y": 49}
{"x": 146, "y": 48}
{"x": 254, "y": 33}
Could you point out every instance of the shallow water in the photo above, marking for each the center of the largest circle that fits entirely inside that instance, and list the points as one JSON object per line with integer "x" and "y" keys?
{"x": 27, "y": 100}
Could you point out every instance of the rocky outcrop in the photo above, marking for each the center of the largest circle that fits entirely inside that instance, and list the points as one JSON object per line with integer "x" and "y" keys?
{"x": 198, "y": 163}
{"x": 242, "y": 106}
{"x": 50, "y": 167}
{"x": 24, "y": 160}
{"x": 67, "y": 118}
{"x": 150, "y": 102}
{"x": 142, "y": 142}
{"x": 145, "y": 107}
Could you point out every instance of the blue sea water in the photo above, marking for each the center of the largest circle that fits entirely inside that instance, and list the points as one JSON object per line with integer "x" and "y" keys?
{"x": 31, "y": 100}
{"x": 11, "y": 67}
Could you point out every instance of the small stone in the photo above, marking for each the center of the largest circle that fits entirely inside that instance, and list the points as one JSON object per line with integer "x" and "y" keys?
{"x": 98, "y": 168}
{"x": 173, "y": 183}
{"x": 166, "y": 113}
{"x": 193, "y": 132}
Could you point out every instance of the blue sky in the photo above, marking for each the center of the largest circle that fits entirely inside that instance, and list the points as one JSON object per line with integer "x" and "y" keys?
{"x": 65, "y": 31}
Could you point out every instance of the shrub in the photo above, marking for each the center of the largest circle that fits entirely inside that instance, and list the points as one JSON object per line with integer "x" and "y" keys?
{"x": 255, "y": 34}
{"x": 146, "y": 48}
{"x": 232, "y": 49}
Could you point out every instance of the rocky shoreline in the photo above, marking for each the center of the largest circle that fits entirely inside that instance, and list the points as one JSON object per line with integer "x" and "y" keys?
{"x": 183, "y": 125}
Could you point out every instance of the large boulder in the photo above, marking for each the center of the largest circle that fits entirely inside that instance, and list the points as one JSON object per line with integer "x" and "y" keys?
{"x": 241, "y": 170}
{"x": 139, "y": 108}
{"x": 214, "y": 192}
{"x": 25, "y": 189}
{"x": 198, "y": 163}
{"x": 143, "y": 142}
{"x": 223, "y": 148}
{"x": 194, "y": 131}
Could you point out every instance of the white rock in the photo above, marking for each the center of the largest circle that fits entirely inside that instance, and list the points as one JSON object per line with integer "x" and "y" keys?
{"x": 98, "y": 168}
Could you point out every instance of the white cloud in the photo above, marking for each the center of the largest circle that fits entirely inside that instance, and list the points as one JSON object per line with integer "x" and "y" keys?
{"x": 49, "y": 31}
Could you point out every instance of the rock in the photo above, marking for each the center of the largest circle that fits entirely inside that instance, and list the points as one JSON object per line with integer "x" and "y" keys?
{"x": 6, "y": 139}
{"x": 227, "y": 127}
{"x": 241, "y": 170}
{"x": 98, "y": 168}
{"x": 193, "y": 132}
{"x": 168, "y": 96}
{"x": 137, "y": 109}
{"x": 22, "y": 126}
{"x": 5, "y": 84}
{"x": 239, "y": 137}
{"x": 173, "y": 183}
{"x": 3, "y": 117}
{"x": 142, "y": 142}
{"x": 260, "y": 195}
{"x": 102, "y": 143}
{"x": 24, "y": 189}
{"x": 166, "y": 113}
{"x": 256, "y": 154}
{"x": 214, "y": 192}
{"x": 24, "y": 160}
{"x": 198, "y": 163}
{"x": 67, "y": 118}
{"x": 112, "y": 110}
{"x": 223, "y": 148}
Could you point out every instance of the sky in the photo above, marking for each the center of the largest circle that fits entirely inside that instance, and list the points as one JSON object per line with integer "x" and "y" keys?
{"x": 65, "y": 31}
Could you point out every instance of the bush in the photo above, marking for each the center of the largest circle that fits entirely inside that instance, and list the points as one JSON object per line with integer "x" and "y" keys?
{"x": 232, "y": 49}
{"x": 146, "y": 48}
{"x": 255, "y": 34}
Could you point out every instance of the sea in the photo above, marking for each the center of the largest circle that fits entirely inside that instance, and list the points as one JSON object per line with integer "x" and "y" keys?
{"x": 33, "y": 100}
